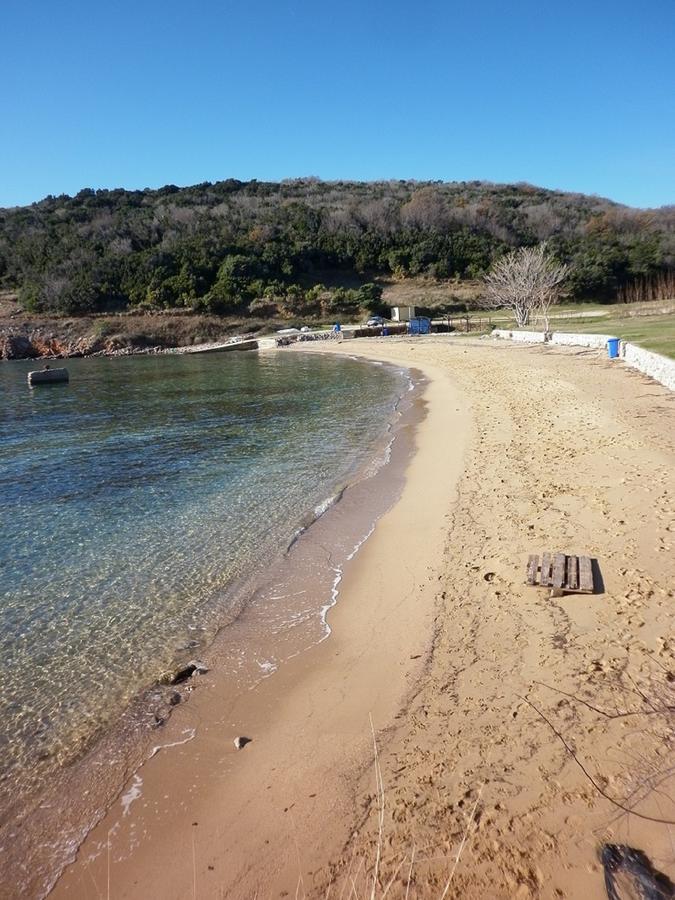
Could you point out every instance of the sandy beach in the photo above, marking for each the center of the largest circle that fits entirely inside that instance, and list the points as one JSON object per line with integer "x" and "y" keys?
{"x": 514, "y": 732}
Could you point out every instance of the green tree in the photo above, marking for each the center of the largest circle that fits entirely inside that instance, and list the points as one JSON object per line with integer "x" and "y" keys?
{"x": 369, "y": 296}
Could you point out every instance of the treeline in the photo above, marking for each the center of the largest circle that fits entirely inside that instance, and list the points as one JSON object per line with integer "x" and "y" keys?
{"x": 307, "y": 247}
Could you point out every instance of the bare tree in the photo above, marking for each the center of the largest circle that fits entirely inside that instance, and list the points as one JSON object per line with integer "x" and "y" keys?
{"x": 524, "y": 280}
{"x": 656, "y": 287}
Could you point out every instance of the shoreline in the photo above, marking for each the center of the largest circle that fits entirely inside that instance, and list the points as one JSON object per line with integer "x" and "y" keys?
{"x": 453, "y": 677}
{"x": 252, "y": 710}
{"x": 270, "y": 629}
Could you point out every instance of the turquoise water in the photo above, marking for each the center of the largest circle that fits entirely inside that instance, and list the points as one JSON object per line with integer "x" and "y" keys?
{"x": 133, "y": 500}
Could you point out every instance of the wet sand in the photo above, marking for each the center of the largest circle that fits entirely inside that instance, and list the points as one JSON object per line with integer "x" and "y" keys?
{"x": 472, "y": 680}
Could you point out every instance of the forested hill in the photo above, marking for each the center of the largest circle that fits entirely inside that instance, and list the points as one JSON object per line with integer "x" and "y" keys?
{"x": 308, "y": 247}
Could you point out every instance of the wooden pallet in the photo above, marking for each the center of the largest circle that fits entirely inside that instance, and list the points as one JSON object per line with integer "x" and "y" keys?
{"x": 563, "y": 574}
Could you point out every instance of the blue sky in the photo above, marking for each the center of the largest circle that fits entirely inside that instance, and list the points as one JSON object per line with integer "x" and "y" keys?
{"x": 570, "y": 95}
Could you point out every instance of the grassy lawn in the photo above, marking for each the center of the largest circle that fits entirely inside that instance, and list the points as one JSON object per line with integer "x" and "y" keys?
{"x": 656, "y": 333}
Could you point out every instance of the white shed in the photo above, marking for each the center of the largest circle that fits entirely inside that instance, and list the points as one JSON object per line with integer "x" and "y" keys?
{"x": 402, "y": 313}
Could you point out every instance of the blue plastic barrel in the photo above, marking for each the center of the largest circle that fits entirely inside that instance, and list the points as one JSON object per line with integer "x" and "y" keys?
{"x": 385, "y": 332}
{"x": 613, "y": 348}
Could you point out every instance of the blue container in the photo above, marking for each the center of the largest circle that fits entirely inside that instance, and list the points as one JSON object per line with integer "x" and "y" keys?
{"x": 385, "y": 332}
{"x": 419, "y": 325}
{"x": 613, "y": 348}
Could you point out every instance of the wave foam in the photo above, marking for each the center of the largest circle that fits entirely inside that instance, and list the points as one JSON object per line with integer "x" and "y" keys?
{"x": 191, "y": 733}
{"x": 132, "y": 794}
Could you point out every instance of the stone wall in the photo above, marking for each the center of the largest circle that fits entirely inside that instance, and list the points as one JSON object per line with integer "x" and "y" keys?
{"x": 529, "y": 337}
{"x": 595, "y": 341}
{"x": 658, "y": 367}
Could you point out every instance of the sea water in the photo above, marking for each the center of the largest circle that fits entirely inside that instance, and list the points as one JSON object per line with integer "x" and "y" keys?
{"x": 133, "y": 501}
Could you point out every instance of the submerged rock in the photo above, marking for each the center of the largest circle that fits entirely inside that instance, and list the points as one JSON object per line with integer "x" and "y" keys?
{"x": 185, "y": 672}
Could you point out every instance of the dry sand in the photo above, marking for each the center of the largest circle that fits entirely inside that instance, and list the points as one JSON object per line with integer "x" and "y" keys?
{"x": 437, "y": 638}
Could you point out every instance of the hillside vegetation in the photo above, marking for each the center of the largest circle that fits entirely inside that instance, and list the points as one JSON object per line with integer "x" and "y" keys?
{"x": 308, "y": 248}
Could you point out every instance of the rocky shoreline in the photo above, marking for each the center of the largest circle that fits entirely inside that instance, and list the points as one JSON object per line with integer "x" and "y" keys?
{"x": 27, "y": 336}
{"x": 37, "y": 345}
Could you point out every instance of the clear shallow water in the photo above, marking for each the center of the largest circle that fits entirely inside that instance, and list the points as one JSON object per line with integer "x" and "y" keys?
{"x": 132, "y": 501}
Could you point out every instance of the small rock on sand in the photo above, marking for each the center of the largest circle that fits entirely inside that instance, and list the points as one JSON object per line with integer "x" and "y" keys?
{"x": 241, "y": 741}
